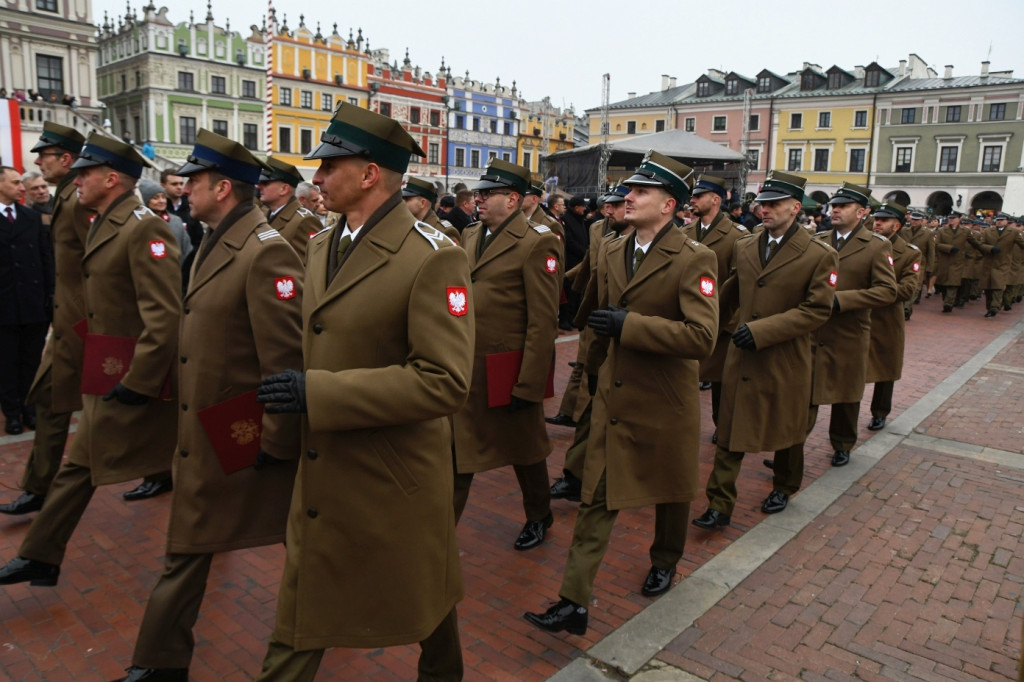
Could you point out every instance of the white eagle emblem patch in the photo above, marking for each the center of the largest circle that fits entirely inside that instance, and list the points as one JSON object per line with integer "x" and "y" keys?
{"x": 285, "y": 288}
{"x": 551, "y": 264}
{"x": 890, "y": 260}
{"x": 458, "y": 305}
{"x": 158, "y": 249}
{"x": 707, "y": 286}
{"x": 917, "y": 267}
{"x": 833, "y": 278}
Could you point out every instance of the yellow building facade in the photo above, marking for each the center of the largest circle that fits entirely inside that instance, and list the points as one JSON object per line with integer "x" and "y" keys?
{"x": 543, "y": 130}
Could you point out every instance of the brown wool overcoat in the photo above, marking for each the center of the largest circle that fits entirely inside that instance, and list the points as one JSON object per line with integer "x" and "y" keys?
{"x": 132, "y": 288}
{"x": 449, "y": 230}
{"x": 645, "y": 427}
{"x": 995, "y": 270}
{"x": 950, "y": 267}
{"x": 924, "y": 239}
{"x": 885, "y": 357}
{"x": 765, "y": 392}
{"x": 371, "y": 550}
{"x": 297, "y": 225}
{"x": 243, "y": 323}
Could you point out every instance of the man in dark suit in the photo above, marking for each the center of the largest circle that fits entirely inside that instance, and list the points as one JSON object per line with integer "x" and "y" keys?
{"x": 26, "y": 289}
{"x": 177, "y": 204}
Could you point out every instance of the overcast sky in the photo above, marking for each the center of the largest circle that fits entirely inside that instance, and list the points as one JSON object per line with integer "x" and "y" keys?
{"x": 562, "y": 49}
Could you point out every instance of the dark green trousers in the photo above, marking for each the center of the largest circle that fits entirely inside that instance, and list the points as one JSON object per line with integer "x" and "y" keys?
{"x": 48, "y": 536}
{"x": 842, "y": 424}
{"x": 51, "y": 436}
{"x": 533, "y": 481}
{"x": 721, "y": 489}
{"x": 165, "y": 636}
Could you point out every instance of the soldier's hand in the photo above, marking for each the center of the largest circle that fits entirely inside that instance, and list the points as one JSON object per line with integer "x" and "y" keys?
{"x": 744, "y": 339}
{"x": 285, "y": 392}
{"x": 125, "y": 396}
{"x": 835, "y": 305}
{"x": 608, "y": 322}
{"x": 519, "y": 404}
{"x": 265, "y": 459}
{"x": 953, "y": 251}
{"x": 592, "y": 384}
{"x": 996, "y": 250}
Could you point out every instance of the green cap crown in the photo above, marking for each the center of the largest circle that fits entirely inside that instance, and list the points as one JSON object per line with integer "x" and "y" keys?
{"x": 851, "y": 193}
{"x": 279, "y": 170}
{"x": 358, "y": 132}
{"x": 779, "y": 185}
{"x": 56, "y": 135}
{"x": 503, "y": 174}
{"x": 414, "y": 187}
{"x": 658, "y": 170}
{"x": 890, "y": 209}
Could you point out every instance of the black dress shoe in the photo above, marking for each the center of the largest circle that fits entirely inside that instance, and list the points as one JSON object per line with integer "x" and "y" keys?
{"x": 30, "y": 421}
{"x": 568, "y": 487}
{"x": 35, "y": 573}
{"x": 876, "y": 424}
{"x": 906, "y": 315}
{"x": 711, "y": 519}
{"x": 775, "y": 502}
{"x": 714, "y": 437}
{"x": 136, "y": 674}
{"x": 947, "y": 308}
{"x": 14, "y": 426}
{"x": 561, "y": 420}
{"x": 705, "y": 386}
{"x": 991, "y": 313}
{"x": 567, "y": 326}
{"x": 770, "y": 463}
{"x": 149, "y": 489}
{"x": 841, "y": 458}
{"x": 26, "y": 502}
{"x": 657, "y": 582}
{"x": 533, "y": 533}
{"x": 565, "y": 615}
{"x": 1007, "y": 307}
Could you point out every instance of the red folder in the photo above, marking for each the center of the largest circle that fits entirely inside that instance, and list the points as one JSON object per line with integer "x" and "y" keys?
{"x": 81, "y": 328}
{"x": 502, "y": 375}
{"x": 234, "y": 428}
{"x": 106, "y": 361}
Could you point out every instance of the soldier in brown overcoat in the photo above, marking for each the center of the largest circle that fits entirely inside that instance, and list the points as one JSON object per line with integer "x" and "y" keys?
{"x": 284, "y": 212}
{"x": 420, "y": 197}
{"x": 996, "y": 242}
{"x": 951, "y": 260}
{"x": 387, "y": 349}
{"x": 885, "y": 357}
{"x": 924, "y": 239}
{"x": 657, "y": 318}
{"x": 516, "y": 268}
{"x": 56, "y": 391}
{"x": 241, "y": 323}
{"x": 780, "y": 290}
{"x": 132, "y": 290}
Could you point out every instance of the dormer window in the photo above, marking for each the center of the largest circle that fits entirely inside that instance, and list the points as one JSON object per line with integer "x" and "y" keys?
{"x": 732, "y": 86}
{"x": 872, "y": 78}
{"x": 807, "y": 81}
{"x": 835, "y": 81}
{"x": 764, "y": 84}
{"x": 702, "y": 89}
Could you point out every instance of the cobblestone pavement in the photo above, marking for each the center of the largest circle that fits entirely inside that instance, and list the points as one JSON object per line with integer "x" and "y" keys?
{"x": 911, "y": 571}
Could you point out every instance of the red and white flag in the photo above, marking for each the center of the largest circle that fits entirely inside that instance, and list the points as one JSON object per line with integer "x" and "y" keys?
{"x": 10, "y": 134}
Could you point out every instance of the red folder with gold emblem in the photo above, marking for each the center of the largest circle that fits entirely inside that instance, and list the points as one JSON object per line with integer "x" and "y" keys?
{"x": 502, "y": 375}
{"x": 106, "y": 361}
{"x": 234, "y": 428}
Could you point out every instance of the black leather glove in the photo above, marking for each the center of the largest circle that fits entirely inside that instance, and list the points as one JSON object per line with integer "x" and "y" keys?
{"x": 125, "y": 396}
{"x": 286, "y": 392}
{"x": 835, "y": 305}
{"x": 743, "y": 338}
{"x": 608, "y": 322}
{"x": 953, "y": 251}
{"x": 264, "y": 460}
{"x": 592, "y": 384}
{"x": 519, "y": 404}
{"x": 996, "y": 250}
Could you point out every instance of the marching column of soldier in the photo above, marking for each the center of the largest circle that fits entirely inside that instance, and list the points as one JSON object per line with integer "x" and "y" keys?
{"x": 337, "y": 389}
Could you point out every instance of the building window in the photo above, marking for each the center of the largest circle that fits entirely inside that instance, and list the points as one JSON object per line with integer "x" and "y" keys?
{"x": 528, "y": 160}
{"x": 872, "y": 78}
{"x": 754, "y": 122}
{"x": 50, "y": 75}
{"x": 796, "y": 157}
{"x": 435, "y": 118}
{"x": 659, "y": 125}
{"x": 47, "y": 5}
{"x": 306, "y": 99}
{"x": 764, "y": 84}
{"x": 124, "y": 82}
{"x": 414, "y": 115}
{"x": 753, "y": 158}
{"x": 947, "y": 159}
{"x": 992, "y": 158}
{"x": 433, "y": 153}
{"x": 824, "y": 119}
{"x": 909, "y": 115}
{"x": 474, "y": 158}
{"x": 631, "y": 127}
{"x": 305, "y": 141}
{"x": 821, "y": 160}
{"x": 250, "y": 139}
{"x": 703, "y": 89}
{"x": 491, "y": 156}
{"x": 718, "y": 124}
{"x": 284, "y": 140}
{"x": 835, "y": 81}
{"x": 904, "y": 159}
{"x": 354, "y": 101}
{"x": 249, "y": 89}
{"x": 186, "y": 81}
{"x": 857, "y": 160}
{"x": 860, "y": 119}
{"x": 732, "y": 86}
{"x": 385, "y": 108}
{"x": 997, "y": 112}
{"x": 953, "y": 115}
{"x": 460, "y": 157}
{"x": 476, "y": 124}
{"x": 690, "y": 124}
{"x": 807, "y": 81}
{"x": 218, "y": 85}
{"x": 494, "y": 126}
{"x": 508, "y": 127}
{"x": 285, "y": 96}
{"x": 327, "y": 101}
{"x": 220, "y": 127}
{"x": 796, "y": 121}
{"x": 506, "y": 156}
{"x": 460, "y": 121}
{"x": 138, "y": 79}
{"x": 187, "y": 126}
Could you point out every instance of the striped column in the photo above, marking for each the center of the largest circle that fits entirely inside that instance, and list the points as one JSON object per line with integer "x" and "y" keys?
{"x": 271, "y": 28}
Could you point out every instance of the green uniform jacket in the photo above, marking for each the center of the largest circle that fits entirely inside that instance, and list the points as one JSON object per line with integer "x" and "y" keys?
{"x": 516, "y": 283}
{"x": 132, "y": 288}
{"x": 885, "y": 358}
{"x": 866, "y": 281}
{"x": 720, "y": 239}
{"x": 243, "y": 324}
{"x": 645, "y": 427}
{"x": 765, "y": 392}
{"x": 995, "y": 268}
{"x": 387, "y": 346}
{"x": 950, "y": 267}
{"x": 69, "y": 226}
{"x": 297, "y": 225}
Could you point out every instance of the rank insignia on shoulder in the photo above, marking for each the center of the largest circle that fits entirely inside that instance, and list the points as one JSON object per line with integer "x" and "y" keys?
{"x": 540, "y": 229}
{"x": 434, "y": 236}
{"x": 323, "y": 231}
{"x": 883, "y": 238}
{"x": 267, "y": 234}
{"x": 694, "y": 243}
{"x": 142, "y": 211}
{"x": 303, "y": 211}
{"x": 740, "y": 227}
{"x": 913, "y": 247}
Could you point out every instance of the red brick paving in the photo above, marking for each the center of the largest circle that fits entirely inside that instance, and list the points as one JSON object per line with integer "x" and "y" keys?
{"x": 85, "y": 628}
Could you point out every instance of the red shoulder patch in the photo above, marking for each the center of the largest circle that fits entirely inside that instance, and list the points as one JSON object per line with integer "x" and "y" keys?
{"x": 833, "y": 278}
{"x": 285, "y": 288}
{"x": 551, "y": 264}
{"x": 458, "y": 301}
{"x": 917, "y": 266}
{"x": 157, "y": 249}
{"x": 707, "y": 286}
{"x": 890, "y": 259}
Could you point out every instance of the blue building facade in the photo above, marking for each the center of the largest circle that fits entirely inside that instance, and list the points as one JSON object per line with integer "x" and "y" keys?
{"x": 483, "y": 123}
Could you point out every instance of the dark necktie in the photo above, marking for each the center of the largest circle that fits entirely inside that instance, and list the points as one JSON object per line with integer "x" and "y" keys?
{"x": 10, "y": 215}
{"x": 772, "y": 246}
{"x": 638, "y": 257}
{"x": 343, "y": 245}
{"x": 703, "y": 233}
{"x": 840, "y": 242}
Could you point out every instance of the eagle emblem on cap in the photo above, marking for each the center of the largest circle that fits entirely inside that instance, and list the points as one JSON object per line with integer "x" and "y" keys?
{"x": 158, "y": 249}
{"x": 458, "y": 304}
{"x": 707, "y": 286}
{"x": 285, "y": 287}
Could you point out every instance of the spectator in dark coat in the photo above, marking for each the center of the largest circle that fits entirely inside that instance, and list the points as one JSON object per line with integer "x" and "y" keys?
{"x": 577, "y": 241}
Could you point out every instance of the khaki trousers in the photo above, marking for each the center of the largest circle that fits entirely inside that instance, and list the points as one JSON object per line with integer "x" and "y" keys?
{"x": 165, "y": 636}
{"x": 50, "y": 439}
{"x": 48, "y": 536}
{"x": 721, "y": 489}
{"x": 576, "y": 455}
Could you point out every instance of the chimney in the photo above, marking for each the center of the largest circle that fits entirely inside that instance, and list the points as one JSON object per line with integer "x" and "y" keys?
{"x": 664, "y": 82}
{"x": 630, "y": 95}
{"x": 672, "y": 82}
{"x": 903, "y": 68}
{"x": 984, "y": 69}
{"x": 949, "y": 71}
